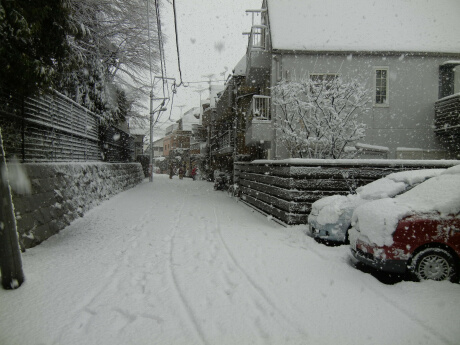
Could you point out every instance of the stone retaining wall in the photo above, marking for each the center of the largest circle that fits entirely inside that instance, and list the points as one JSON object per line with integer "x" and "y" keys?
{"x": 62, "y": 192}
{"x": 286, "y": 189}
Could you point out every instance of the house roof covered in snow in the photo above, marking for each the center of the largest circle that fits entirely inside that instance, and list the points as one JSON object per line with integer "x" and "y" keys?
{"x": 240, "y": 68}
{"x": 365, "y": 25}
{"x": 190, "y": 118}
{"x": 138, "y": 131}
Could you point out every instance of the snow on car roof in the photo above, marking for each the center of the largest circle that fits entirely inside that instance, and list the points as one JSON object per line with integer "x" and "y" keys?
{"x": 330, "y": 208}
{"x": 378, "y": 219}
{"x": 395, "y": 183}
{"x": 439, "y": 194}
{"x": 381, "y": 188}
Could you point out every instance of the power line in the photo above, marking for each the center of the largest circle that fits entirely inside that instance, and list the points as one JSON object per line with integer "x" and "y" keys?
{"x": 160, "y": 45}
{"x": 203, "y": 81}
{"x": 177, "y": 45}
{"x": 148, "y": 37}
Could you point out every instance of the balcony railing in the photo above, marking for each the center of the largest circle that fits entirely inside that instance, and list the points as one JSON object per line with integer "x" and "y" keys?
{"x": 447, "y": 114}
{"x": 224, "y": 142}
{"x": 259, "y": 108}
{"x": 226, "y": 139}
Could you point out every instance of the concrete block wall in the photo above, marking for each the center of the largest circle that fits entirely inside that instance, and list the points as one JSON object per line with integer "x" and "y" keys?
{"x": 62, "y": 192}
{"x": 286, "y": 189}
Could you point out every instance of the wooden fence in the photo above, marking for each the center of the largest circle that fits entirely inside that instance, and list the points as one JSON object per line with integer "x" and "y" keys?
{"x": 53, "y": 128}
{"x": 286, "y": 189}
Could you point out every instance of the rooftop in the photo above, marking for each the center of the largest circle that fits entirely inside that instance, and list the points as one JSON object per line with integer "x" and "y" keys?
{"x": 365, "y": 25}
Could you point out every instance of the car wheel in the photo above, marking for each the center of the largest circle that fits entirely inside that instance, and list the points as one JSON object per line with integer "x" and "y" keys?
{"x": 433, "y": 264}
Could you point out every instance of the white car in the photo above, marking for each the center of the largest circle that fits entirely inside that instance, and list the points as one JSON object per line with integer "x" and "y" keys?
{"x": 330, "y": 217}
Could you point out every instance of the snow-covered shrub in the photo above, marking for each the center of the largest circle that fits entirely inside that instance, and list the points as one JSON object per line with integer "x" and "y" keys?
{"x": 318, "y": 119}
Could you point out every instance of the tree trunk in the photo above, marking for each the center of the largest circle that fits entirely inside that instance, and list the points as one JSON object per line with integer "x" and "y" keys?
{"x": 10, "y": 254}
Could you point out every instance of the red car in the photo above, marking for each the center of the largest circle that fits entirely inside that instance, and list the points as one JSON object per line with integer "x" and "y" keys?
{"x": 418, "y": 232}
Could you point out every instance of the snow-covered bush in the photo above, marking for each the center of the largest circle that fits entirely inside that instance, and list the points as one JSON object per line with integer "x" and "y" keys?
{"x": 318, "y": 119}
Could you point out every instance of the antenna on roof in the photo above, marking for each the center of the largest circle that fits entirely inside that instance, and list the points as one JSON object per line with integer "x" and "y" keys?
{"x": 258, "y": 11}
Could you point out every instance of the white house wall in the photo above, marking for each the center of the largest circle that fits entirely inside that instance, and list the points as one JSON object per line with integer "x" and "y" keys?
{"x": 408, "y": 121}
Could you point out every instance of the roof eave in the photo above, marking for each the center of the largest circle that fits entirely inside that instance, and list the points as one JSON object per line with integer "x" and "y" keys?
{"x": 363, "y": 52}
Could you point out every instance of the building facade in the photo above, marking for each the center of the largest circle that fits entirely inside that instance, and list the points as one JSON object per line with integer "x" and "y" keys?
{"x": 410, "y": 69}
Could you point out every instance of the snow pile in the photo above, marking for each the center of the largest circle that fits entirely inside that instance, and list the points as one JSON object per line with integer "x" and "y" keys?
{"x": 378, "y": 220}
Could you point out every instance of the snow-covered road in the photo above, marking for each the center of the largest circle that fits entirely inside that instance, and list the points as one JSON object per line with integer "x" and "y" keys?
{"x": 174, "y": 262}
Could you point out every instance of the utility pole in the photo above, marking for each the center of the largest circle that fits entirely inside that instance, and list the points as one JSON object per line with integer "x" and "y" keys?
{"x": 180, "y": 106}
{"x": 152, "y": 113}
{"x": 10, "y": 254}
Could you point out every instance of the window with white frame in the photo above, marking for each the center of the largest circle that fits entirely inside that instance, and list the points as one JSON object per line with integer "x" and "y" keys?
{"x": 381, "y": 86}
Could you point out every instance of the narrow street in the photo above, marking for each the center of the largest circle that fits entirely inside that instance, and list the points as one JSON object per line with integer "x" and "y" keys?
{"x": 175, "y": 262}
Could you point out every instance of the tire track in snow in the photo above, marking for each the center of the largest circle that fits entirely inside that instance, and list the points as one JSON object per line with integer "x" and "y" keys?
{"x": 254, "y": 285}
{"x": 181, "y": 295}
{"x": 84, "y": 311}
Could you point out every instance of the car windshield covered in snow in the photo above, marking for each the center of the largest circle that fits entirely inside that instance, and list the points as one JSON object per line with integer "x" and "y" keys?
{"x": 331, "y": 216}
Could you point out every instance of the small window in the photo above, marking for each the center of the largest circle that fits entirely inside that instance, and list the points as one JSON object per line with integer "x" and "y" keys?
{"x": 449, "y": 78}
{"x": 279, "y": 71}
{"x": 381, "y": 86}
{"x": 323, "y": 79}
{"x": 286, "y": 74}
{"x": 319, "y": 77}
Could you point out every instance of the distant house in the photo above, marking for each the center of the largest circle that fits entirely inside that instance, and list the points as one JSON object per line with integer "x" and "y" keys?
{"x": 139, "y": 135}
{"x": 177, "y": 136}
{"x": 158, "y": 148}
{"x": 406, "y": 52}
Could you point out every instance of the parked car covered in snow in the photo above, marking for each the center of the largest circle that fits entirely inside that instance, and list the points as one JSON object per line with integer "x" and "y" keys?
{"x": 417, "y": 232}
{"x": 330, "y": 217}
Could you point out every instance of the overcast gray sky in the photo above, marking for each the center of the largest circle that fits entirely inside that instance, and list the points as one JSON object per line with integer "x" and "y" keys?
{"x": 211, "y": 41}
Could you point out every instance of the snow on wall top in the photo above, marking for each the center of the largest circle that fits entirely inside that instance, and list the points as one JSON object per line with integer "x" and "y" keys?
{"x": 365, "y": 25}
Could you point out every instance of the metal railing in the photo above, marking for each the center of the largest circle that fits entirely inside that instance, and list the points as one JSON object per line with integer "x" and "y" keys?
{"x": 52, "y": 128}
{"x": 259, "y": 108}
{"x": 226, "y": 139}
{"x": 257, "y": 41}
{"x": 447, "y": 113}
